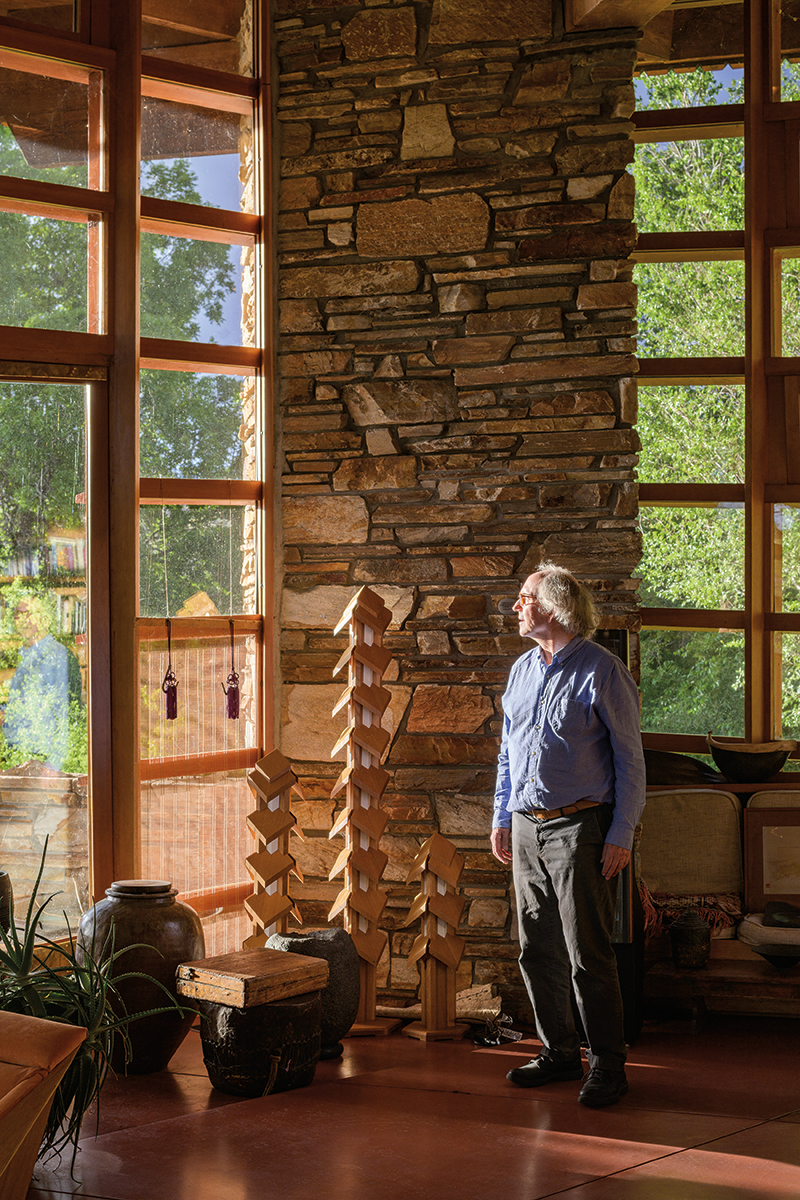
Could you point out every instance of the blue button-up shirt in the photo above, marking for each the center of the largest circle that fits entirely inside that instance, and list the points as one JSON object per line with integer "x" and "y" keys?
{"x": 571, "y": 732}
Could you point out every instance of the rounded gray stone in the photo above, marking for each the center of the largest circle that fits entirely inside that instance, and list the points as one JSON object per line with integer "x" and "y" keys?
{"x": 340, "y": 998}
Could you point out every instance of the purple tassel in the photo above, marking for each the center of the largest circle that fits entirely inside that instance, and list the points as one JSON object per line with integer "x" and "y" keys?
{"x": 169, "y": 685}
{"x": 232, "y": 695}
{"x": 170, "y": 689}
{"x": 232, "y": 690}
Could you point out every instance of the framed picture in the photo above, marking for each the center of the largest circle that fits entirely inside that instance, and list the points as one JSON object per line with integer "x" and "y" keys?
{"x": 771, "y": 856}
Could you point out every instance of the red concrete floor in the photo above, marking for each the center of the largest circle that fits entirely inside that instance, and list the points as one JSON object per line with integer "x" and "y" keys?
{"x": 712, "y": 1117}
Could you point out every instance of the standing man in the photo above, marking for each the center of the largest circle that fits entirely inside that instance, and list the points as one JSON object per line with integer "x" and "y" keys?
{"x": 570, "y": 791}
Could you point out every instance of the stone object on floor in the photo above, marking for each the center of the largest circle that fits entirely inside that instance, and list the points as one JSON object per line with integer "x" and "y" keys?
{"x": 340, "y": 998}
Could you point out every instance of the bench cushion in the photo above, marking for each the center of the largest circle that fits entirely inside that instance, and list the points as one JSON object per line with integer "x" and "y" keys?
{"x": 691, "y": 843}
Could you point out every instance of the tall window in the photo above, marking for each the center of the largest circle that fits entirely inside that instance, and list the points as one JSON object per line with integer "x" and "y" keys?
{"x": 719, "y": 306}
{"x": 131, "y": 451}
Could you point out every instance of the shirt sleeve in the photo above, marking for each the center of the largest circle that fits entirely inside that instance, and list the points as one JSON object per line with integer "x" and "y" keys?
{"x": 618, "y": 708}
{"x": 502, "y": 791}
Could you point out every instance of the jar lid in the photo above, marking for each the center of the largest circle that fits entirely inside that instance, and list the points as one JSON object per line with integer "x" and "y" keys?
{"x": 140, "y": 887}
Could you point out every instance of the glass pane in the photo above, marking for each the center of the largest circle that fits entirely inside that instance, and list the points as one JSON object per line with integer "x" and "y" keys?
{"x": 196, "y": 560}
{"x": 45, "y": 129}
{"x": 194, "y": 154}
{"x": 191, "y": 425}
{"x": 219, "y": 36}
{"x": 691, "y": 434}
{"x": 53, "y": 14}
{"x": 43, "y": 272}
{"x": 790, "y": 305}
{"x": 787, "y": 655}
{"x": 706, "y": 48}
{"x": 225, "y": 929}
{"x": 192, "y": 290}
{"x": 693, "y": 682}
{"x": 194, "y": 830}
{"x": 690, "y": 309}
{"x": 43, "y": 715}
{"x": 789, "y": 82}
{"x": 202, "y": 725}
{"x": 689, "y": 186}
{"x": 693, "y": 557}
{"x": 786, "y": 531}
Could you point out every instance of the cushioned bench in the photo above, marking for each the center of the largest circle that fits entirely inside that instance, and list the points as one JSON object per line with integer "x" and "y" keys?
{"x": 689, "y": 855}
{"x": 34, "y": 1058}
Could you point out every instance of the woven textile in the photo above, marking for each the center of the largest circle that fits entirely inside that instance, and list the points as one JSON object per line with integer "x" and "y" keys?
{"x": 721, "y": 912}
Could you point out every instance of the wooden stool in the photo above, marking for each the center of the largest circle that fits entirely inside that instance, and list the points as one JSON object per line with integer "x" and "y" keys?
{"x": 259, "y": 1018}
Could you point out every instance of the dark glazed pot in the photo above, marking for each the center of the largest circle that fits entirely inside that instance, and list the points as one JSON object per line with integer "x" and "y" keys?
{"x": 146, "y": 911}
{"x": 5, "y": 901}
{"x": 690, "y": 940}
{"x": 340, "y": 998}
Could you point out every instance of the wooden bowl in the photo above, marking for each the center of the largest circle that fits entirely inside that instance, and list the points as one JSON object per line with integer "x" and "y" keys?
{"x": 749, "y": 762}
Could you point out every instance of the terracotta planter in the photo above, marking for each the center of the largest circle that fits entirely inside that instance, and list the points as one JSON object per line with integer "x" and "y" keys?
{"x": 145, "y": 911}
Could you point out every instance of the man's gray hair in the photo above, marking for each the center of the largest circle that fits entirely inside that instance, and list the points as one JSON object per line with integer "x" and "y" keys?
{"x": 569, "y": 601}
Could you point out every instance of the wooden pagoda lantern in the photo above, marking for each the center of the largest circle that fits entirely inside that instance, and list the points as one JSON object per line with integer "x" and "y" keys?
{"x": 272, "y": 781}
{"x": 438, "y": 949}
{"x": 362, "y": 821}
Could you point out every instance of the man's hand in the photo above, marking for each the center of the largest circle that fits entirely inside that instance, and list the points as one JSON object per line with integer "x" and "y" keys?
{"x": 501, "y": 846}
{"x": 612, "y": 860}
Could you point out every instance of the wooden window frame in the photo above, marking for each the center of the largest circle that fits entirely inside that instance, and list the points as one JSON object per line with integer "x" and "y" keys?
{"x": 113, "y": 346}
{"x": 772, "y": 223}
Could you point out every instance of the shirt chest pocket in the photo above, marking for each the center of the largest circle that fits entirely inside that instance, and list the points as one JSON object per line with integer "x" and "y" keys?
{"x": 568, "y": 719}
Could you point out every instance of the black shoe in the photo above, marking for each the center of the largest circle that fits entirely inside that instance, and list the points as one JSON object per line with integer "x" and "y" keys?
{"x": 545, "y": 1070}
{"x": 602, "y": 1087}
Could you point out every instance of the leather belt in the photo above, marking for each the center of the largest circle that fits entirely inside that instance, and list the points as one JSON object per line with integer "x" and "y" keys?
{"x": 547, "y": 814}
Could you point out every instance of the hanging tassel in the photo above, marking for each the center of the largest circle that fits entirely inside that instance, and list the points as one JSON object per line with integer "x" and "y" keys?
{"x": 170, "y": 685}
{"x": 232, "y": 690}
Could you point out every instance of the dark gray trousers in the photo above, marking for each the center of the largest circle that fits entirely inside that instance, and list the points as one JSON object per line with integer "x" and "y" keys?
{"x": 566, "y": 914}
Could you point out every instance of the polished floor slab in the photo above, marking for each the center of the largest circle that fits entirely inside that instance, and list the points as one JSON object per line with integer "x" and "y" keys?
{"x": 712, "y": 1117}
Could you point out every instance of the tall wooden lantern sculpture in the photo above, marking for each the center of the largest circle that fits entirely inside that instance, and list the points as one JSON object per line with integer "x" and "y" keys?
{"x": 363, "y": 780}
{"x": 272, "y": 781}
{"x": 438, "y": 949}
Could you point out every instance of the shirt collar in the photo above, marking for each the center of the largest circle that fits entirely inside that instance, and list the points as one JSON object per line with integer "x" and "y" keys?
{"x": 565, "y": 651}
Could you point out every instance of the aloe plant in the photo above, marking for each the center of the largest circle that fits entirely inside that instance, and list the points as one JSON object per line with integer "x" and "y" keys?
{"x": 49, "y": 979}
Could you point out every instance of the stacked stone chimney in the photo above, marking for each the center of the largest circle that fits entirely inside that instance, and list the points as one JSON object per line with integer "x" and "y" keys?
{"x": 456, "y": 392}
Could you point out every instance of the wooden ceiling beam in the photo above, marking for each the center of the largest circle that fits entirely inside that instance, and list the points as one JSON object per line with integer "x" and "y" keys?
{"x": 611, "y": 14}
{"x": 710, "y": 36}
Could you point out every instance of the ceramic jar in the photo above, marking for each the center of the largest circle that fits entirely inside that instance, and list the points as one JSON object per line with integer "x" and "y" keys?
{"x": 161, "y": 933}
{"x": 690, "y": 940}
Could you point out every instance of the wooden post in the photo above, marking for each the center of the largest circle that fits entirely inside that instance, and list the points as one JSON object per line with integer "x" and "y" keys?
{"x": 272, "y": 781}
{"x": 362, "y": 821}
{"x": 438, "y": 865}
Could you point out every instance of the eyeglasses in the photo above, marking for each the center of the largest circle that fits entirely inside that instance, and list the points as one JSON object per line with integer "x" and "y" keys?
{"x": 508, "y": 604}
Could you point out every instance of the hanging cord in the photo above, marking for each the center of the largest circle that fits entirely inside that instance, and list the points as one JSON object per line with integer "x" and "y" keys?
{"x": 164, "y": 554}
{"x": 232, "y": 690}
{"x": 170, "y": 684}
{"x": 230, "y": 563}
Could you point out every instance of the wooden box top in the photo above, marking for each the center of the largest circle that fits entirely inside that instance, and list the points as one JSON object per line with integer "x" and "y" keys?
{"x": 249, "y": 977}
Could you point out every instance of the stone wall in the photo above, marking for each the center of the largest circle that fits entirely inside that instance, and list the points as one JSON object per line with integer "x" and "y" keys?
{"x": 40, "y": 805}
{"x": 456, "y": 392}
